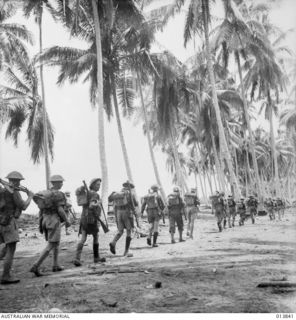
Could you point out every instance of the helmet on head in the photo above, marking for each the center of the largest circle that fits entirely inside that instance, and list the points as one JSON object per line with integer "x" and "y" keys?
{"x": 230, "y": 196}
{"x": 193, "y": 190}
{"x": 56, "y": 178}
{"x": 222, "y": 193}
{"x": 128, "y": 184}
{"x": 94, "y": 181}
{"x": 15, "y": 175}
{"x": 217, "y": 192}
{"x": 154, "y": 187}
{"x": 67, "y": 193}
{"x": 176, "y": 189}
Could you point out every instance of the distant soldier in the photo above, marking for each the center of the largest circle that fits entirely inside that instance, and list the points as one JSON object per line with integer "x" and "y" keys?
{"x": 268, "y": 203}
{"x": 154, "y": 206}
{"x": 252, "y": 205}
{"x": 231, "y": 204}
{"x": 51, "y": 218}
{"x": 176, "y": 210}
{"x": 125, "y": 207}
{"x": 226, "y": 213}
{"x": 192, "y": 204}
{"x": 241, "y": 210}
{"x": 11, "y": 207}
{"x": 218, "y": 206}
{"x": 280, "y": 208}
{"x": 89, "y": 219}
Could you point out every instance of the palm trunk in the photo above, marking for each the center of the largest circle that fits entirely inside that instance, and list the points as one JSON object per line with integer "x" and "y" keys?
{"x": 217, "y": 163}
{"x": 100, "y": 101}
{"x": 202, "y": 188}
{"x": 223, "y": 143}
{"x": 215, "y": 180}
{"x": 44, "y": 113}
{"x": 210, "y": 182}
{"x": 273, "y": 151}
{"x": 248, "y": 169}
{"x": 153, "y": 160}
{"x": 195, "y": 181}
{"x": 179, "y": 174}
{"x": 252, "y": 147}
{"x": 120, "y": 132}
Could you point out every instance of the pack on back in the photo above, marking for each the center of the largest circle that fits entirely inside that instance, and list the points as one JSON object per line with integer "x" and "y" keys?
{"x": 189, "y": 199}
{"x": 44, "y": 199}
{"x": 120, "y": 199}
{"x": 81, "y": 196}
{"x": 173, "y": 200}
{"x": 215, "y": 200}
{"x": 151, "y": 201}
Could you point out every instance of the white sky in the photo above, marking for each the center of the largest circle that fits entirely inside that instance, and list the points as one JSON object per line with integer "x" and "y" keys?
{"x": 75, "y": 122}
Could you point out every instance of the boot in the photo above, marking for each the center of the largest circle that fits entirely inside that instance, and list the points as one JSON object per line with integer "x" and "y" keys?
{"x": 6, "y": 276}
{"x": 57, "y": 268}
{"x": 180, "y": 237}
{"x": 113, "y": 243}
{"x": 172, "y": 238}
{"x": 149, "y": 241}
{"x": 224, "y": 224}
{"x": 96, "y": 254}
{"x": 77, "y": 261}
{"x": 219, "y": 226}
{"x": 127, "y": 245}
{"x": 36, "y": 271}
{"x": 155, "y": 235}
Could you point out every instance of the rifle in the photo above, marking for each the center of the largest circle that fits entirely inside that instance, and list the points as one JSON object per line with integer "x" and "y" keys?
{"x": 11, "y": 187}
{"x": 133, "y": 207}
{"x": 104, "y": 227}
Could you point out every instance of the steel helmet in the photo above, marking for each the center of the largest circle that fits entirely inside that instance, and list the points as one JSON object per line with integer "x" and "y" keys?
{"x": 56, "y": 178}
{"x": 176, "y": 189}
{"x": 94, "y": 181}
{"x": 154, "y": 187}
{"x": 15, "y": 175}
{"x": 128, "y": 184}
{"x": 193, "y": 190}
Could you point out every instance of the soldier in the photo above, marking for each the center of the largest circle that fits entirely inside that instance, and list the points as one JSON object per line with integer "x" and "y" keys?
{"x": 176, "y": 209}
{"x": 154, "y": 207}
{"x": 11, "y": 207}
{"x": 252, "y": 205}
{"x": 241, "y": 210}
{"x": 125, "y": 205}
{"x": 231, "y": 209}
{"x": 218, "y": 207}
{"x": 89, "y": 221}
{"x": 68, "y": 209}
{"x": 280, "y": 207}
{"x": 226, "y": 212}
{"x": 51, "y": 220}
{"x": 192, "y": 207}
{"x": 268, "y": 203}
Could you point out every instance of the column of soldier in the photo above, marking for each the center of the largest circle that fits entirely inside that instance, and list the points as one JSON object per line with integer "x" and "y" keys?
{"x": 54, "y": 213}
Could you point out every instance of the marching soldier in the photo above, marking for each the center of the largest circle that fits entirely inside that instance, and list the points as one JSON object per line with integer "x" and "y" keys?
{"x": 268, "y": 203}
{"x": 124, "y": 205}
{"x": 154, "y": 207}
{"x": 241, "y": 210}
{"x": 52, "y": 218}
{"x": 176, "y": 210}
{"x": 11, "y": 207}
{"x": 252, "y": 205}
{"x": 89, "y": 220}
{"x": 231, "y": 209}
{"x": 218, "y": 206}
{"x": 192, "y": 207}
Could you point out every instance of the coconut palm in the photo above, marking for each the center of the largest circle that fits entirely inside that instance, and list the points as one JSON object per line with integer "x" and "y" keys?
{"x": 22, "y": 104}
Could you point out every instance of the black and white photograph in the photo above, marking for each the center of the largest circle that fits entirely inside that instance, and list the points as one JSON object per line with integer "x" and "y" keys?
{"x": 147, "y": 158}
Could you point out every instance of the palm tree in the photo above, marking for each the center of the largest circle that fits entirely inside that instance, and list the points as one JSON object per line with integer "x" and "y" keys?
{"x": 36, "y": 8}
{"x": 20, "y": 103}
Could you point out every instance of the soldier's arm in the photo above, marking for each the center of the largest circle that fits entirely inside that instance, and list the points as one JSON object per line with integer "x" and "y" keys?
{"x": 63, "y": 216}
{"x": 136, "y": 204}
{"x": 143, "y": 207}
{"x": 20, "y": 203}
{"x": 160, "y": 203}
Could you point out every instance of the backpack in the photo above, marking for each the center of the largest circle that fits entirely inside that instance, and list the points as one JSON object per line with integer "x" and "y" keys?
{"x": 173, "y": 200}
{"x": 81, "y": 196}
{"x": 44, "y": 199}
{"x": 151, "y": 201}
{"x": 230, "y": 202}
{"x": 120, "y": 199}
{"x": 189, "y": 199}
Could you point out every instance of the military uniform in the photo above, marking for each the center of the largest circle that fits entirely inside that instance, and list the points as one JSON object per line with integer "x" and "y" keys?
{"x": 176, "y": 210}
{"x": 124, "y": 203}
{"x": 252, "y": 205}
{"x": 11, "y": 206}
{"x": 154, "y": 206}
{"x": 91, "y": 212}
{"x": 231, "y": 209}
{"x": 218, "y": 206}
{"x": 280, "y": 207}
{"x": 51, "y": 219}
{"x": 191, "y": 207}
{"x": 268, "y": 203}
{"x": 241, "y": 210}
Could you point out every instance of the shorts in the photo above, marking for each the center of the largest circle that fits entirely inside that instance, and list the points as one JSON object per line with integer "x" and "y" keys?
{"x": 9, "y": 233}
{"x": 176, "y": 218}
{"x": 124, "y": 220}
{"x": 51, "y": 226}
{"x": 153, "y": 215}
{"x": 191, "y": 213}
